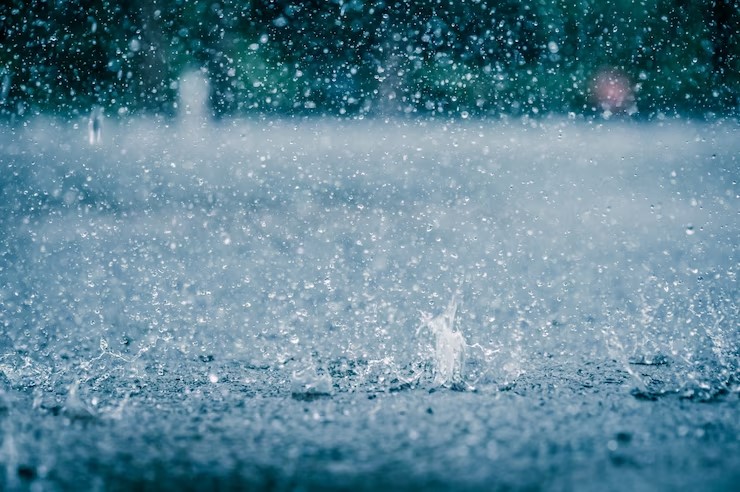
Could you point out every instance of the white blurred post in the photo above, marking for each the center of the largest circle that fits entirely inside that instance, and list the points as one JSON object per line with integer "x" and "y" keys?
{"x": 95, "y": 126}
{"x": 193, "y": 102}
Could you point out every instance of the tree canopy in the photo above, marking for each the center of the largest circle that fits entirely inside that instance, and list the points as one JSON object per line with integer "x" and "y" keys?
{"x": 350, "y": 57}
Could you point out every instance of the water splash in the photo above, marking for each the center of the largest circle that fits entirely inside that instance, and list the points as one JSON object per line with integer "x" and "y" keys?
{"x": 309, "y": 383}
{"x": 617, "y": 352}
{"x": 448, "y": 356}
{"x": 74, "y": 407}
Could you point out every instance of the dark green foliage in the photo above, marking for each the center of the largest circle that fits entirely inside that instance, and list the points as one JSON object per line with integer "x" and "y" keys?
{"x": 369, "y": 56}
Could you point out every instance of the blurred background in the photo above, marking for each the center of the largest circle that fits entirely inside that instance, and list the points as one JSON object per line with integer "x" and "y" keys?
{"x": 643, "y": 58}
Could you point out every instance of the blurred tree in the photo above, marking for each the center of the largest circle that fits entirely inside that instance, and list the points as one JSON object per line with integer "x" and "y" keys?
{"x": 68, "y": 56}
{"x": 368, "y": 56}
{"x": 724, "y": 24}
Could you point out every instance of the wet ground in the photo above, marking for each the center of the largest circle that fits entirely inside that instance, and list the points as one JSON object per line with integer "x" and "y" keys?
{"x": 236, "y": 306}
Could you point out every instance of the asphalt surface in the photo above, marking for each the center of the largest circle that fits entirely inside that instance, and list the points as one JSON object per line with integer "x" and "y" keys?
{"x": 237, "y": 305}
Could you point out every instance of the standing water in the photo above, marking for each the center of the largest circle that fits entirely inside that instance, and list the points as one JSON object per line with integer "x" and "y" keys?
{"x": 246, "y": 314}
